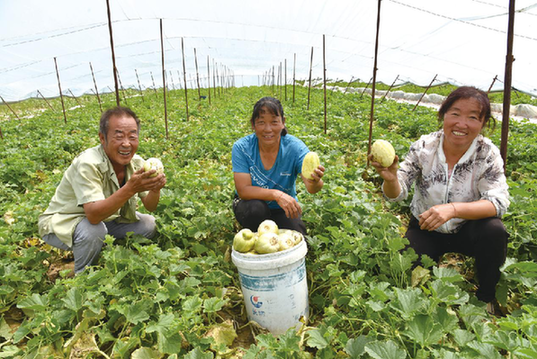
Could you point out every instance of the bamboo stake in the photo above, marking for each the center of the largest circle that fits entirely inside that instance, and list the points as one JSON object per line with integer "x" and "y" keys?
{"x": 163, "y": 79}
{"x": 96, "y": 90}
{"x": 184, "y": 77}
{"x": 173, "y": 83}
{"x": 197, "y": 74}
{"x": 350, "y": 82}
{"x": 153, "y": 79}
{"x": 122, "y": 88}
{"x": 324, "y": 81}
{"x": 79, "y": 104}
{"x": 43, "y": 97}
{"x": 492, "y": 84}
{"x": 285, "y": 80}
{"x": 209, "y": 79}
{"x": 179, "y": 80}
{"x": 218, "y": 79}
{"x": 60, "y": 88}
{"x": 507, "y": 82}
{"x": 428, "y": 87}
{"x": 372, "y": 113}
{"x": 5, "y": 103}
{"x": 294, "y": 79}
{"x": 309, "y": 86}
{"x": 366, "y": 86}
{"x": 214, "y": 79}
{"x": 139, "y": 85}
{"x": 112, "y": 48}
{"x": 391, "y": 86}
{"x": 279, "y": 82}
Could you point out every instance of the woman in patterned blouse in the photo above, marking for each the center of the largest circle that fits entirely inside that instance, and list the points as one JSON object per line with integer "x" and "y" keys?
{"x": 460, "y": 189}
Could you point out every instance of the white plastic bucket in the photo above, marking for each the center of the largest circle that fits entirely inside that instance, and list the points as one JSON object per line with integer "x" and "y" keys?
{"x": 274, "y": 287}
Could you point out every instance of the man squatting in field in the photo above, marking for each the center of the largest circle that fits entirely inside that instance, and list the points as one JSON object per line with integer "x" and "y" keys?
{"x": 96, "y": 195}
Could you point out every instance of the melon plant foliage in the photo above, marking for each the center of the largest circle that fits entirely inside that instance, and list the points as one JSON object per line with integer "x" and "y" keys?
{"x": 178, "y": 296}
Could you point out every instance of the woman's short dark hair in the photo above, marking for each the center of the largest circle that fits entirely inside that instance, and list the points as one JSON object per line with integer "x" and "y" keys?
{"x": 273, "y": 105}
{"x": 116, "y": 111}
{"x": 466, "y": 92}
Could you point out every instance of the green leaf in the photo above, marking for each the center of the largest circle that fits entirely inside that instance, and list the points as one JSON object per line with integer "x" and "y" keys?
{"x": 198, "y": 354}
{"x": 213, "y": 305}
{"x": 35, "y": 302}
{"x": 145, "y": 353}
{"x": 136, "y": 313}
{"x": 485, "y": 350}
{"x": 409, "y": 301}
{"x": 74, "y": 299}
{"x": 316, "y": 339}
{"x": 164, "y": 322}
{"x": 169, "y": 343}
{"x": 424, "y": 330}
{"x": 356, "y": 347}
{"x": 192, "y": 304}
{"x": 385, "y": 350}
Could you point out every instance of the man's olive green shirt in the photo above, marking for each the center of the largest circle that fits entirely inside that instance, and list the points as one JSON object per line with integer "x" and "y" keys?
{"x": 89, "y": 178}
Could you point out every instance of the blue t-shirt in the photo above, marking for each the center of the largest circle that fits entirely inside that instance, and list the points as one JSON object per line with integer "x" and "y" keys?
{"x": 282, "y": 176}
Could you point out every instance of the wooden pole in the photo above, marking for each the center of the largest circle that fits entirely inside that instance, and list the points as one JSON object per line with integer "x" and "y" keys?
{"x": 96, "y": 89}
{"x": 324, "y": 81}
{"x": 184, "y": 77}
{"x": 507, "y": 83}
{"x": 309, "y": 87}
{"x": 197, "y": 74}
{"x": 60, "y": 88}
{"x": 139, "y": 85}
{"x": 113, "y": 54}
{"x": 209, "y": 79}
{"x": 427, "y": 89}
{"x": 391, "y": 86}
{"x": 163, "y": 79}
{"x": 13, "y": 111}
{"x": 79, "y": 104}
{"x": 43, "y": 97}
{"x": 294, "y": 79}
{"x": 372, "y": 112}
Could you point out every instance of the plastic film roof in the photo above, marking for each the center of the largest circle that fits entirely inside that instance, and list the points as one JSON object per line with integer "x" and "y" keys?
{"x": 463, "y": 42}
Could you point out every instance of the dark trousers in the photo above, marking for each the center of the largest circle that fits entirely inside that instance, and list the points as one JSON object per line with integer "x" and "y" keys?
{"x": 250, "y": 213}
{"x": 484, "y": 239}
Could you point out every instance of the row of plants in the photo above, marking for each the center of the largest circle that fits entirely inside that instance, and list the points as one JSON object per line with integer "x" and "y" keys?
{"x": 179, "y": 295}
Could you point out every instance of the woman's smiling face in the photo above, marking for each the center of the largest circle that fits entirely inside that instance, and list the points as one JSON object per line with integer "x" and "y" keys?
{"x": 462, "y": 123}
{"x": 268, "y": 127}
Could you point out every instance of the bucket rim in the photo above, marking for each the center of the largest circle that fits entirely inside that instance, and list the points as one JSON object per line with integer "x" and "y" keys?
{"x": 270, "y": 260}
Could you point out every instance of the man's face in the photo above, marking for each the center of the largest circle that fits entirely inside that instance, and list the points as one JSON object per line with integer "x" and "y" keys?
{"x": 121, "y": 141}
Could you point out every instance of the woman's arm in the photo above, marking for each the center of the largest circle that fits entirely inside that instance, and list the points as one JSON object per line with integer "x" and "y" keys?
{"x": 243, "y": 185}
{"x": 437, "y": 215}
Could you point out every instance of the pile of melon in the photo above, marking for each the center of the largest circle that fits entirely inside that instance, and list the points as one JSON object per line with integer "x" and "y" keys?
{"x": 268, "y": 239}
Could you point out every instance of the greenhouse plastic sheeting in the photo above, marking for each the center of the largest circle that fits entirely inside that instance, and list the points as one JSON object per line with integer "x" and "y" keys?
{"x": 463, "y": 42}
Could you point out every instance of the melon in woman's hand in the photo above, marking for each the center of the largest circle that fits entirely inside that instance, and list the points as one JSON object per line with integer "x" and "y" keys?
{"x": 310, "y": 164}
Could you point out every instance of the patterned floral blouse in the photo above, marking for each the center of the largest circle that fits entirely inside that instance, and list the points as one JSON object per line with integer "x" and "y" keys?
{"x": 478, "y": 175}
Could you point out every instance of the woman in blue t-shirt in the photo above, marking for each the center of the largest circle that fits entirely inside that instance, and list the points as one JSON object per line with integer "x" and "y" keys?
{"x": 265, "y": 167}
